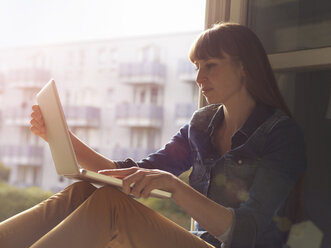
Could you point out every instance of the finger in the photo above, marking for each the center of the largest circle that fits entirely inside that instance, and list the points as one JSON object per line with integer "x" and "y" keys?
{"x": 37, "y": 128}
{"x": 36, "y": 124}
{"x": 140, "y": 186}
{"x": 35, "y": 107}
{"x": 130, "y": 181}
{"x": 162, "y": 181}
{"x": 118, "y": 172}
{"x": 36, "y": 114}
{"x": 37, "y": 132}
{"x": 38, "y": 117}
{"x": 36, "y": 110}
{"x": 152, "y": 184}
{"x": 115, "y": 176}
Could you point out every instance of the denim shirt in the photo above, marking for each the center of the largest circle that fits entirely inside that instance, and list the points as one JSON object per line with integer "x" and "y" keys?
{"x": 253, "y": 179}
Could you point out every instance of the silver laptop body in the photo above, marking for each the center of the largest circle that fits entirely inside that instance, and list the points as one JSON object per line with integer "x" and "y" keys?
{"x": 60, "y": 143}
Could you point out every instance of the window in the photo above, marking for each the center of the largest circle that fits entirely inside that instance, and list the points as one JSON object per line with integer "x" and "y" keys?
{"x": 154, "y": 95}
{"x": 38, "y": 60}
{"x": 308, "y": 94}
{"x": 150, "y": 53}
{"x": 145, "y": 138}
{"x": 113, "y": 59}
{"x": 142, "y": 96}
{"x": 287, "y": 25}
{"x": 110, "y": 97}
{"x": 296, "y": 35}
{"x": 102, "y": 57}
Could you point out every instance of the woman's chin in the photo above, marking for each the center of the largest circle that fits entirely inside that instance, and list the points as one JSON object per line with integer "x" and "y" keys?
{"x": 210, "y": 100}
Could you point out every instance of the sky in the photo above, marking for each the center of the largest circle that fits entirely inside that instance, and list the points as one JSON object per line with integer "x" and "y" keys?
{"x": 39, "y": 22}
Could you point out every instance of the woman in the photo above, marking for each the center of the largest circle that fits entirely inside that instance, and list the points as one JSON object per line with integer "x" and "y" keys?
{"x": 246, "y": 152}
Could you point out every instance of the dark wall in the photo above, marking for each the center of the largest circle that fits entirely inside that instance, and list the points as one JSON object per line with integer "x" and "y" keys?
{"x": 312, "y": 93}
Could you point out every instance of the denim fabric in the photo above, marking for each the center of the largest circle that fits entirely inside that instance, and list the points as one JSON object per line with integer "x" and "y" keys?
{"x": 253, "y": 179}
{"x": 208, "y": 238}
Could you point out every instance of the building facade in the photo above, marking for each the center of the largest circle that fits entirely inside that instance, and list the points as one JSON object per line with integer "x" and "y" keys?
{"x": 124, "y": 97}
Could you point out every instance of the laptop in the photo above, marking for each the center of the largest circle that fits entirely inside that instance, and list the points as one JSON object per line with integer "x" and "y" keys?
{"x": 60, "y": 143}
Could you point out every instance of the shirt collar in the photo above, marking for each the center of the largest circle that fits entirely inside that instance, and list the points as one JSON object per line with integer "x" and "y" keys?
{"x": 260, "y": 113}
{"x": 216, "y": 121}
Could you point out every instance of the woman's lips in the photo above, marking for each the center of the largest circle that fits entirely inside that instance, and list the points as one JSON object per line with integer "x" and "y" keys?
{"x": 206, "y": 90}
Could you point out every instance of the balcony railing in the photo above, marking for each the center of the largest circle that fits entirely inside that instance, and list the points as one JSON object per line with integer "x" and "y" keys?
{"x": 28, "y": 77}
{"x": 186, "y": 71}
{"x": 77, "y": 116}
{"x": 122, "y": 153}
{"x": 139, "y": 115}
{"x": 22, "y": 154}
{"x": 82, "y": 116}
{"x": 183, "y": 112}
{"x": 17, "y": 116}
{"x": 142, "y": 73}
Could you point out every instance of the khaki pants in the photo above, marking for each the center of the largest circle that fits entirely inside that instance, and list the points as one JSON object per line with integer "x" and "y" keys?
{"x": 84, "y": 216}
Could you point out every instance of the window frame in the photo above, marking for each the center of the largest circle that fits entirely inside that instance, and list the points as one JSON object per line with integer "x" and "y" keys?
{"x": 291, "y": 60}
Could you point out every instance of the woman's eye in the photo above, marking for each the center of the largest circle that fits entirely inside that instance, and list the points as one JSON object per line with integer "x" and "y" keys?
{"x": 210, "y": 65}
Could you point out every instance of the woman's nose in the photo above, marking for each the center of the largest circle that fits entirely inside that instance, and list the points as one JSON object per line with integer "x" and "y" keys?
{"x": 200, "y": 78}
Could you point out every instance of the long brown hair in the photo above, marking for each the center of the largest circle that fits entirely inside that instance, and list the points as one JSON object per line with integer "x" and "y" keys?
{"x": 244, "y": 46}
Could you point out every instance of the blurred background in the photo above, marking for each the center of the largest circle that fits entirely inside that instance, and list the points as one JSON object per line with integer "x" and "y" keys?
{"x": 123, "y": 75}
{"x": 127, "y": 85}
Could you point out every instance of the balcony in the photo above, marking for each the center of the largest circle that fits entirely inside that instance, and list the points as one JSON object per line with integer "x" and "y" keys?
{"x": 139, "y": 115}
{"x": 82, "y": 116}
{"x": 122, "y": 153}
{"x": 186, "y": 71}
{"x": 145, "y": 73}
{"x": 183, "y": 112}
{"x": 17, "y": 116}
{"x": 77, "y": 116}
{"x": 22, "y": 154}
{"x": 27, "y": 78}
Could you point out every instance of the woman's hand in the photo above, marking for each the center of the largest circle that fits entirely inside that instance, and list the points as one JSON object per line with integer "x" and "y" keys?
{"x": 37, "y": 123}
{"x": 140, "y": 182}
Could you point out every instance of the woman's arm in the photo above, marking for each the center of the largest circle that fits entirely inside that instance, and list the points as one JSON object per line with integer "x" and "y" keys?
{"x": 86, "y": 156}
{"x": 282, "y": 163}
{"x": 139, "y": 182}
{"x": 212, "y": 216}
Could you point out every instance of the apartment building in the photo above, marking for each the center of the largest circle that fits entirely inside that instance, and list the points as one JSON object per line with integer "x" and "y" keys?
{"x": 124, "y": 97}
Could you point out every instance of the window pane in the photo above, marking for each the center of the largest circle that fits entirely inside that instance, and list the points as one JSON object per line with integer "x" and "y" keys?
{"x": 286, "y": 25}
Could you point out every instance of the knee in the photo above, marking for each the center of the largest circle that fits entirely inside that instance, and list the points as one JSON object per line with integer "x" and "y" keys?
{"x": 82, "y": 188}
{"x": 109, "y": 193}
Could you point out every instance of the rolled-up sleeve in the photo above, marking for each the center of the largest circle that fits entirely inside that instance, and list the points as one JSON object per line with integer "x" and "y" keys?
{"x": 282, "y": 163}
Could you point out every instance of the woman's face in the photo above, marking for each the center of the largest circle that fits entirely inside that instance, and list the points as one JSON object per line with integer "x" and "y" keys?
{"x": 220, "y": 79}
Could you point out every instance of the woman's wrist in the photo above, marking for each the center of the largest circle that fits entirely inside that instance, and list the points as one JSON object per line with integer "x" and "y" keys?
{"x": 178, "y": 188}
{"x": 112, "y": 164}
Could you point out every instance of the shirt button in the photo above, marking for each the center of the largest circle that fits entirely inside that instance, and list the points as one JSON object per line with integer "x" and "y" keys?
{"x": 240, "y": 161}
